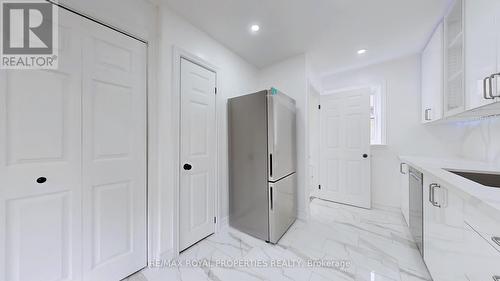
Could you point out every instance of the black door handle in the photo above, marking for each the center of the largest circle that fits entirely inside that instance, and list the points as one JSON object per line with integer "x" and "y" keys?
{"x": 187, "y": 167}
{"x": 365, "y": 155}
{"x": 41, "y": 179}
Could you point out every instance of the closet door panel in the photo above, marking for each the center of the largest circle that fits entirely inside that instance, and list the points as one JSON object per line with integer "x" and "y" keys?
{"x": 40, "y": 166}
{"x": 114, "y": 154}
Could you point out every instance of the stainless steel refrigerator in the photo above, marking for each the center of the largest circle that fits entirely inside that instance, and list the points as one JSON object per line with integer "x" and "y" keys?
{"x": 262, "y": 164}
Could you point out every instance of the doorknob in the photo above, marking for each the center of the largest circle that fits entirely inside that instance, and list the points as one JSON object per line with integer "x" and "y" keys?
{"x": 41, "y": 179}
{"x": 365, "y": 155}
{"x": 187, "y": 167}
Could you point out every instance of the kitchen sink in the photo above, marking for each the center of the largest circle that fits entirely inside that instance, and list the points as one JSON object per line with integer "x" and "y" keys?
{"x": 484, "y": 178}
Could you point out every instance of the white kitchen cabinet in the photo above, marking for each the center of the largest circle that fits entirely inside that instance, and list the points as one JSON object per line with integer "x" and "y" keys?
{"x": 444, "y": 230}
{"x": 405, "y": 192}
{"x": 481, "y": 37}
{"x": 481, "y": 261}
{"x": 454, "y": 69}
{"x": 471, "y": 63}
{"x": 432, "y": 77}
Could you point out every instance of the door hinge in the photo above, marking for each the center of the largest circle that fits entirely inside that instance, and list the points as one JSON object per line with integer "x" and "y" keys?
{"x": 216, "y": 91}
{"x": 215, "y": 219}
{"x": 319, "y": 106}
{"x": 319, "y": 186}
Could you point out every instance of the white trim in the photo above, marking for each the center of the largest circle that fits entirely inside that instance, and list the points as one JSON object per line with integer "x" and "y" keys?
{"x": 222, "y": 223}
{"x": 179, "y": 54}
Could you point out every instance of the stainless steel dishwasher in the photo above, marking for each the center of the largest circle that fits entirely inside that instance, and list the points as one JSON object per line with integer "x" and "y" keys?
{"x": 416, "y": 208}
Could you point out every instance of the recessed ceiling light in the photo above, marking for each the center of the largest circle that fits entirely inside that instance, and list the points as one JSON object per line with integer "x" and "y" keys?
{"x": 255, "y": 28}
{"x": 362, "y": 51}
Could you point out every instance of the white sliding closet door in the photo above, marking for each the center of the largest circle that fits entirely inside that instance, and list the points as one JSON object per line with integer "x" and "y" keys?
{"x": 40, "y": 138}
{"x": 114, "y": 154}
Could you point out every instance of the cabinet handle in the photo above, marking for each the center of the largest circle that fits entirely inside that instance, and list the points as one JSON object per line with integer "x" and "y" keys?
{"x": 496, "y": 240}
{"x": 401, "y": 168}
{"x": 491, "y": 86}
{"x": 433, "y": 196}
{"x": 432, "y": 189}
{"x": 496, "y": 278}
{"x": 486, "y": 94}
{"x": 427, "y": 115}
{"x": 430, "y": 194}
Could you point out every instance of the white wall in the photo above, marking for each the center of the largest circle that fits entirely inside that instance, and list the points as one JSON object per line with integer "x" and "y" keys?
{"x": 234, "y": 77}
{"x": 289, "y": 77}
{"x": 405, "y": 134}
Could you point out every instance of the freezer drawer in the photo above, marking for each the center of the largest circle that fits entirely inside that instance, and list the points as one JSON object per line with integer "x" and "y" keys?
{"x": 282, "y": 206}
{"x": 281, "y": 131}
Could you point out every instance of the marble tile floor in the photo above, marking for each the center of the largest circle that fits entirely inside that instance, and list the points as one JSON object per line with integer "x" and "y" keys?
{"x": 338, "y": 242}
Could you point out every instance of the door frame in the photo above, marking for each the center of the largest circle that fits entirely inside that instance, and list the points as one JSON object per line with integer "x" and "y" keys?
{"x": 178, "y": 54}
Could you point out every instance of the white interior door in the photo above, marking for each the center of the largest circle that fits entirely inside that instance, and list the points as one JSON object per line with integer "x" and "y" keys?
{"x": 40, "y": 137}
{"x": 197, "y": 154}
{"x": 114, "y": 154}
{"x": 345, "y": 148}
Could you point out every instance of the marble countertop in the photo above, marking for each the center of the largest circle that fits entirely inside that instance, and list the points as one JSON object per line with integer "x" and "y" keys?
{"x": 436, "y": 167}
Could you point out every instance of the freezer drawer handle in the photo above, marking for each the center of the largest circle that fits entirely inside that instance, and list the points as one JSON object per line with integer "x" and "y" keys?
{"x": 271, "y": 165}
{"x": 41, "y": 180}
{"x": 271, "y": 197}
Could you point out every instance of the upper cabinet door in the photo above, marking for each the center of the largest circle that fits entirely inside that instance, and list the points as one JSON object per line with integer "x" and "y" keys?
{"x": 454, "y": 98}
{"x": 496, "y": 28}
{"x": 432, "y": 78}
{"x": 480, "y": 51}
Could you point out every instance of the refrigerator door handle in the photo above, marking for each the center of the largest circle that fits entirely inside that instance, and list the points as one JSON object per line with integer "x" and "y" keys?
{"x": 271, "y": 197}
{"x": 271, "y": 165}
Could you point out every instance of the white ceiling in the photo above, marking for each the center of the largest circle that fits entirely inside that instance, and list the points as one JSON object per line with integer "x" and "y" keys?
{"x": 329, "y": 31}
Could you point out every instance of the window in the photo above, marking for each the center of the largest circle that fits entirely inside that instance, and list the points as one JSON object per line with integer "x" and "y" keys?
{"x": 377, "y": 115}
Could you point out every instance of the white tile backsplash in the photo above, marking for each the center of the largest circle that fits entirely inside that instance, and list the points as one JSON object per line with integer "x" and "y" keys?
{"x": 482, "y": 140}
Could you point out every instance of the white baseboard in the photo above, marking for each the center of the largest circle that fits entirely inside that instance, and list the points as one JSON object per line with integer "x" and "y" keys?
{"x": 302, "y": 215}
{"x": 167, "y": 255}
{"x": 223, "y": 223}
{"x": 386, "y": 207}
